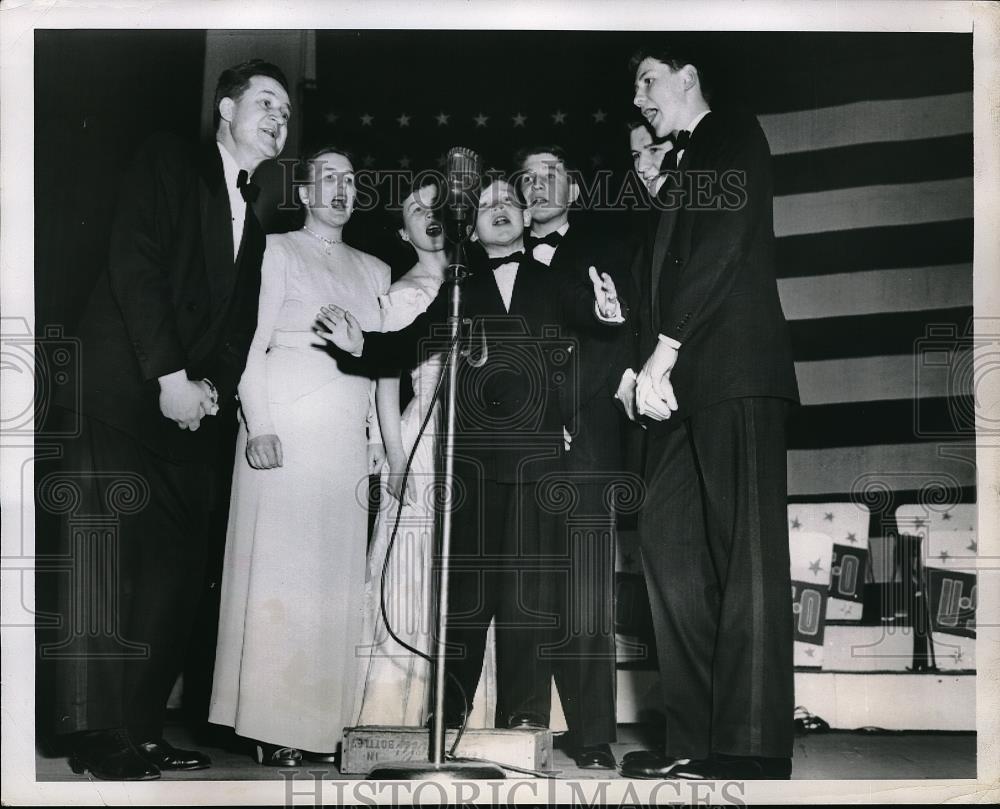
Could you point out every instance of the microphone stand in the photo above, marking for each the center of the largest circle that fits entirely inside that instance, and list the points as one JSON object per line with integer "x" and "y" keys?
{"x": 437, "y": 769}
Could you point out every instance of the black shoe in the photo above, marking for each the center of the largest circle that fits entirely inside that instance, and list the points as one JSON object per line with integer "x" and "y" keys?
{"x": 648, "y": 764}
{"x": 272, "y": 755}
{"x": 111, "y": 756}
{"x": 322, "y": 758}
{"x": 593, "y": 757}
{"x": 527, "y": 721}
{"x": 165, "y": 756}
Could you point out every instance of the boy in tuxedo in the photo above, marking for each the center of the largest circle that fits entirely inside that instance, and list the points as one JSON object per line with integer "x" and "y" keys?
{"x": 510, "y": 559}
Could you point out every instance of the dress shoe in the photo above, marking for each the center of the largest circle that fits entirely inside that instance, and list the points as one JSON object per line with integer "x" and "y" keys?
{"x": 527, "y": 721}
{"x": 647, "y": 764}
{"x": 272, "y": 755}
{"x": 111, "y": 756}
{"x": 167, "y": 757}
{"x": 322, "y": 758}
{"x": 593, "y": 757}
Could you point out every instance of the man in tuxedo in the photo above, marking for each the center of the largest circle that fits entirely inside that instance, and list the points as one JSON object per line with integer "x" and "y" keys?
{"x": 648, "y": 153}
{"x": 715, "y": 387}
{"x": 585, "y": 677}
{"x": 509, "y": 555}
{"x": 163, "y": 343}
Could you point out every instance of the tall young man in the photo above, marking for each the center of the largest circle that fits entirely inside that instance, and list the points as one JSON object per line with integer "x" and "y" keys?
{"x": 716, "y": 383}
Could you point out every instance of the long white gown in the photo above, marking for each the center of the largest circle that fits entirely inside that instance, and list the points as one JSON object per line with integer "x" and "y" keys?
{"x": 294, "y": 573}
{"x": 394, "y": 687}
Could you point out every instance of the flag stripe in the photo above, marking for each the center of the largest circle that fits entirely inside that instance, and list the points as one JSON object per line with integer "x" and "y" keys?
{"x": 897, "y": 421}
{"x": 863, "y": 293}
{"x": 901, "y": 376}
{"x": 874, "y": 164}
{"x": 873, "y": 335}
{"x": 873, "y": 248}
{"x": 896, "y": 466}
{"x": 888, "y": 121}
{"x": 876, "y": 205}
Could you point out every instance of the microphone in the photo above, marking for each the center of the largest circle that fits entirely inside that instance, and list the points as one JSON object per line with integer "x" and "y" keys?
{"x": 461, "y": 196}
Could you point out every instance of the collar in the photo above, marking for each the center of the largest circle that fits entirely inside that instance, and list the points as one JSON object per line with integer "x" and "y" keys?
{"x": 229, "y": 168}
{"x": 561, "y": 230}
{"x": 697, "y": 120}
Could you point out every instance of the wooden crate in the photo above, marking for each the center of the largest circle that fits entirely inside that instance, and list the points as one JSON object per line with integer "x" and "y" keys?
{"x": 370, "y": 746}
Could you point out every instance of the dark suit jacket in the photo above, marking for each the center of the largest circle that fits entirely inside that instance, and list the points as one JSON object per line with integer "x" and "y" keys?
{"x": 707, "y": 272}
{"x": 512, "y": 409}
{"x": 598, "y": 421}
{"x": 171, "y": 296}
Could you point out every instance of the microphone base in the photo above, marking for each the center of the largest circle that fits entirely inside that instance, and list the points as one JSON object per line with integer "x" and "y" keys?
{"x": 427, "y": 771}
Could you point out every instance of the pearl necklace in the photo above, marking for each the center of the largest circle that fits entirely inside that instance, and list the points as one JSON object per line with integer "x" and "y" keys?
{"x": 328, "y": 242}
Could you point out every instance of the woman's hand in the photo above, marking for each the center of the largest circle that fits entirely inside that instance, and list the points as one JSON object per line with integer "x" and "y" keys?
{"x": 264, "y": 451}
{"x": 397, "y": 466}
{"x": 340, "y": 328}
{"x": 376, "y": 458}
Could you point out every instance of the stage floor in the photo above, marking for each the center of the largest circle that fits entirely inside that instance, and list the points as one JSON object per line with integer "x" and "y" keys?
{"x": 834, "y": 755}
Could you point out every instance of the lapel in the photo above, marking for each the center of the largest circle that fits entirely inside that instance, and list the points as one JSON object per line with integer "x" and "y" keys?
{"x": 667, "y": 221}
{"x": 216, "y": 226}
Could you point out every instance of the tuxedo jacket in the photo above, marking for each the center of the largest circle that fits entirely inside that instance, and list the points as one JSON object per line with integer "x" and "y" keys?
{"x": 512, "y": 393}
{"x": 170, "y": 297}
{"x": 598, "y": 422}
{"x": 707, "y": 272}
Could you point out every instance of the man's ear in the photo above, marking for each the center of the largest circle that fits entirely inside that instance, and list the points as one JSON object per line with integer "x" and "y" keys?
{"x": 526, "y": 217}
{"x": 689, "y": 75}
{"x": 303, "y": 192}
{"x": 226, "y": 108}
{"x": 403, "y": 234}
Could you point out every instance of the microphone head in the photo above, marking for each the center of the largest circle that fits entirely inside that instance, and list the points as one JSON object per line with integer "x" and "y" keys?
{"x": 461, "y": 192}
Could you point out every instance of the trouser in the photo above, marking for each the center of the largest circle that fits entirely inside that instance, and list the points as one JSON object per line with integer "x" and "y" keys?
{"x": 130, "y": 559}
{"x": 714, "y": 541}
{"x": 547, "y": 581}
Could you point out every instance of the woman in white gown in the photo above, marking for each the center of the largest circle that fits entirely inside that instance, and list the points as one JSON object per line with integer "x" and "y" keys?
{"x": 395, "y": 685}
{"x": 293, "y": 582}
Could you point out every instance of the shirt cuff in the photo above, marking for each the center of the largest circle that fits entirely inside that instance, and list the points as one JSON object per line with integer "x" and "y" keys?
{"x": 617, "y": 317}
{"x": 670, "y": 341}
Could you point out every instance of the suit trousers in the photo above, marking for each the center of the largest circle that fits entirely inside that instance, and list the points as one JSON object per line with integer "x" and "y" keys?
{"x": 132, "y": 537}
{"x": 714, "y": 541}
{"x": 516, "y": 560}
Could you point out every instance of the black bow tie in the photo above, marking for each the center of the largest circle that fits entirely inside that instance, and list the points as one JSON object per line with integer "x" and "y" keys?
{"x": 248, "y": 189}
{"x": 680, "y": 140}
{"x": 551, "y": 239}
{"x": 493, "y": 263}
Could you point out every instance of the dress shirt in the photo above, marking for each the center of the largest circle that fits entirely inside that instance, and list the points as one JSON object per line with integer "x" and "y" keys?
{"x": 545, "y": 252}
{"x": 237, "y": 205}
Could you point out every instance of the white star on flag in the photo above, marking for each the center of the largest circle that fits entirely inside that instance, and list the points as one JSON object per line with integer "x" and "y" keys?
{"x": 404, "y": 162}
{"x": 599, "y": 116}
{"x": 481, "y": 119}
{"x": 442, "y": 118}
{"x": 403, "y": 119}
{"x": 558, "y": 117}
{"x": 331, "y": 117}
{"x": 519, "y": 119}
{"x": 366, "y": 119}
{"x": 368, "y": 160}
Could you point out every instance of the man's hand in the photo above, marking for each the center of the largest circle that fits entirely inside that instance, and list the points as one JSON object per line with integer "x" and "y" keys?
{"x": 654, "y": 394}
{"x": 608, "y": 305}
{"x": 626, "y": 393}
{"x": 183, "y": 400}
{"x": 264, "y": 451}
{"x": 339, "y": 327}
{"x": 376, "y": 458}
{"x": 397, "y": 466}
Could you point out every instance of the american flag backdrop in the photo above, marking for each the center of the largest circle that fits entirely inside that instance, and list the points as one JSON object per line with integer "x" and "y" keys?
{"x": 872, "y": 142}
